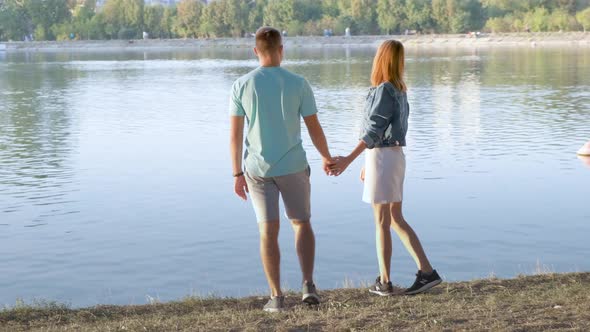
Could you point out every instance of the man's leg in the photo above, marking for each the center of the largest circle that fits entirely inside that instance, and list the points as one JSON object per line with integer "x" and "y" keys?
{"x": 305, "y": 245}
{"x": 264, "y": 195}
{"x": 271, "y": 255}
{"x": 296, "y": 191}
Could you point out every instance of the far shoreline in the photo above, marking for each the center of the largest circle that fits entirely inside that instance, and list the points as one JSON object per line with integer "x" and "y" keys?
{"x": 540, "y": 39}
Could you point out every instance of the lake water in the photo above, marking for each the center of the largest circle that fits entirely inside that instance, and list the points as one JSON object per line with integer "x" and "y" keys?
{"x": 116, "y": 187}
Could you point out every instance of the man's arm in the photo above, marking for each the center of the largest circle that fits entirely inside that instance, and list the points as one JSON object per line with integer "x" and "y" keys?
{"x": 236, "y": 143}
{"x": 319, "y": 139}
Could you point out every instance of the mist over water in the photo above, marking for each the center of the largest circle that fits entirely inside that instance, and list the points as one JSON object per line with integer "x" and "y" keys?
{"x": 115, "y": 178}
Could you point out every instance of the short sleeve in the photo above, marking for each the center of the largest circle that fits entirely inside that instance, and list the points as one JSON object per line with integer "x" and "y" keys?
{"x": 308, "y": 106}
{"x": 235, "y": 102}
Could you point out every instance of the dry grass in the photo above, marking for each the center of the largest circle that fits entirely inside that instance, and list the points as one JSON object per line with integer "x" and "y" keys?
{"x": 532, "y": 303}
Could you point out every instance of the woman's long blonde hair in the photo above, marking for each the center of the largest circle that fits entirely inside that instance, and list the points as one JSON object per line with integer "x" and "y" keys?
{"x": 388, "y": 65}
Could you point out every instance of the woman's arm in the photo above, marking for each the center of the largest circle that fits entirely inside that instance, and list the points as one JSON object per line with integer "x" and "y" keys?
{"x": 341, "y": 163}
{"x": 382, "y": 111}
{"x": 380, "y": 116}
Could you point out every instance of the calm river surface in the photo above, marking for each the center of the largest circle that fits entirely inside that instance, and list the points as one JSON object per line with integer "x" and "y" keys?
{"x": 116, "y": 187}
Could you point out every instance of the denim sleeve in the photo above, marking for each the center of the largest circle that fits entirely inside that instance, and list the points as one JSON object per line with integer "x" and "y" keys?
{"x": 384, "y": 106}
{"x": 235, "y": 102}
{"x": 308, "y": 105}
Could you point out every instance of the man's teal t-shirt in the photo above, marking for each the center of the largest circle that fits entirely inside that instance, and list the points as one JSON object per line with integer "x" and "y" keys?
{"x": 273, "y": 100}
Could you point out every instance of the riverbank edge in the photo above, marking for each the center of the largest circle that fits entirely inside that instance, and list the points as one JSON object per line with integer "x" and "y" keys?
{"x": 539, "y": 302}
{"x": 545, "y": 39}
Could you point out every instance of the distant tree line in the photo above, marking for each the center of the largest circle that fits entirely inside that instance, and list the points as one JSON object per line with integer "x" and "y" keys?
{"x": 128, "y": 19}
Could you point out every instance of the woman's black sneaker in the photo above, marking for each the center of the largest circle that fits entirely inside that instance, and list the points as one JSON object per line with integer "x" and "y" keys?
{"x": 310, "y": 293}
{"x": 424, "y": 282}
{"x": 381, "y": 289}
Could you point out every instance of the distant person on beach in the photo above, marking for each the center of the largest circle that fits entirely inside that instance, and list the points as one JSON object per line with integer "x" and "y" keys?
{"x": 384, "y": 134}
{"x": 273, "y": 101}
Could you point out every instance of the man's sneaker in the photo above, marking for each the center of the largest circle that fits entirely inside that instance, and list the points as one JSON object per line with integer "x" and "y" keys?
{"x": 310, "y": 294}
{"x": 424, "y": 282}
{"x": 275, "y": 304}
{"x": 381, "y": 289}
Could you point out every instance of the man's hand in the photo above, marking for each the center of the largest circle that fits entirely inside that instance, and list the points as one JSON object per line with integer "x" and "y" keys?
{"x": 241, "y": 187}
{"x": 326, "y": 164}
{"x": 363, "y": 174}
{"x": 340, "y": 164}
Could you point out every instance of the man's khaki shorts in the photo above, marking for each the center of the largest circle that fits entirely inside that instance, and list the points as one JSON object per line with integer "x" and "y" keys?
{"x": 295, "y": 189}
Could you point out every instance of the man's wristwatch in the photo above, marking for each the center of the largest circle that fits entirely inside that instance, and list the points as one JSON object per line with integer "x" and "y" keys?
{"x": 238, "y": 174}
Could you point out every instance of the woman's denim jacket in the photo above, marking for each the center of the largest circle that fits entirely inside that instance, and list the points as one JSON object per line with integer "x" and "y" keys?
{"x": 385, "y": 120}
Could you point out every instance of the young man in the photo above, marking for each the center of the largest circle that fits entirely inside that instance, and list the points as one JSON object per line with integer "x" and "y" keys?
{"x": 273, "y": 100}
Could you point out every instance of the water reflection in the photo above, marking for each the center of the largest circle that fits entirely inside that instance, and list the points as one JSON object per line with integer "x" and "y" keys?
{"x": 37, "y": 174}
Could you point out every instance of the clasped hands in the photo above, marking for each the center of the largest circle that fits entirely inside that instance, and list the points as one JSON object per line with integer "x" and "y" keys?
{"x": 335, "y": 166}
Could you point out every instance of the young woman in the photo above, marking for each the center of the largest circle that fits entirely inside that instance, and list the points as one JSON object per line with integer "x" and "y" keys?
{"x": 384, "y": 134}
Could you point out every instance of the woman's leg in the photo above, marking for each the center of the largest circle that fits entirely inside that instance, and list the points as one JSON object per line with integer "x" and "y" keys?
{"x": 409, "y": 238}
{"x": 383, "y": 239}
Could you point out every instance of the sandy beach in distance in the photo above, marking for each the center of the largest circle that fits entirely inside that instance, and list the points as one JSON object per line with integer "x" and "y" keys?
{"x": 545, "y": 39}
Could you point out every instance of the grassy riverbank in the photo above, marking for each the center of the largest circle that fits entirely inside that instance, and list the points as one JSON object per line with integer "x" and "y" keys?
{"x": 531, "y": 303}
{"x": 539, "y": 39}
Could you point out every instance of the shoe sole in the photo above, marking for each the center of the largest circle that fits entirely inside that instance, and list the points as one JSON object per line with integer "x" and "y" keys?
{"x": 310, "y": 298}
{"x": 424, "y": 288}
{"x": 380, "y": 293}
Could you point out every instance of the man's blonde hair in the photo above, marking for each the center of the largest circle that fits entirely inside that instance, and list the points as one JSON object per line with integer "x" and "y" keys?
{"x": 268, "y": 40}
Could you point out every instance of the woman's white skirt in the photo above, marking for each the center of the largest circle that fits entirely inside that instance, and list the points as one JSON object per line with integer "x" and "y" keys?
{"x": 385, "y": 169}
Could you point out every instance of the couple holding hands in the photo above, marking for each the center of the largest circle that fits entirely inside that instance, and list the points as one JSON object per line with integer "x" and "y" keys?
{"x": 273, "y": 100}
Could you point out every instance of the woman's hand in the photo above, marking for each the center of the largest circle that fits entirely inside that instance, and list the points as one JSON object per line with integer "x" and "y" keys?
{"x": 340, "y": 164}
{"x": 363, "y": 174}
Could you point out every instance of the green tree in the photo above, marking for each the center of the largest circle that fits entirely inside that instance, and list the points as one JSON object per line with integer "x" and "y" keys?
{"x": 559, "y": 20}
{"x": 457, "y": 16}
{"x": 15, "y": 22}
{"x": 112, "y": 17}
{"x": 45, "y": 14}
{"x": 363, "y": 12}
{"x": 308, "y": 10}
{"x": 583, "y": 18}
{"x": 256, "y": 15}
{"x": 279, "y": 13}
{"x": 123, "y": 18}
{"x": 418, "y": 15}
{"x": 188, "y": 18}
{"x": 498, "y": 24}
{"x": 441, "y": 15}
{"x": 213, "y": 20}
{"x": 84, "y": 24}
{"x": 236, "y": 16}
{"x": 330, "y": 8}
{"x": 537, "y": 20}
{"x": 167, "y": 22}
{"x": 152, "y": 20}
{"x": 567, "y": 6}
{"x": 390, "y": 15}
{"x": 133, "y": 14}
